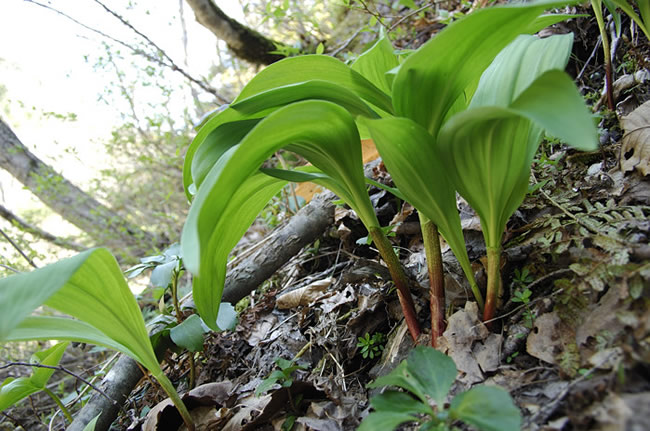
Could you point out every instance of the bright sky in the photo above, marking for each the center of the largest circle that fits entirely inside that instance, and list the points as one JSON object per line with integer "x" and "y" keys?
{"x": 43, "y": 69}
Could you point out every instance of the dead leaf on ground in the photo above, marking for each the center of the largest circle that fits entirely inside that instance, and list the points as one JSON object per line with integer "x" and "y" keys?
{"x": 303, "y": 296}
{"x": 549, "y": 338}
{"x": 467, "y": 340}
{"x": 205, "y": 403}
{"x": 635, "y": 151}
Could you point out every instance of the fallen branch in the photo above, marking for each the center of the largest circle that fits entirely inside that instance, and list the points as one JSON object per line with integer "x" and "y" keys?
{"x": 302, "y": 229}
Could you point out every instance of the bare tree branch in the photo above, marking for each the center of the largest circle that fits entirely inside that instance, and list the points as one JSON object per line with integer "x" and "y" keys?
{"x": 168, "y": 63}
{"x": 38, "y": 232}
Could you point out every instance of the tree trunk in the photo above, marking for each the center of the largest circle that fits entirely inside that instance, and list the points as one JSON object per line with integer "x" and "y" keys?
{"x": 244, "y": 42}
{"x": 106, "y": 227}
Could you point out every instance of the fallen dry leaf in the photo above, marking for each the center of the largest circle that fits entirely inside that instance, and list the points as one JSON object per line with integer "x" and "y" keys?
{"x": 303, "y": 296}
{"x": 549, "y": 338}
{"x": 635, "y": 151}
{"x": 461, "y": 341}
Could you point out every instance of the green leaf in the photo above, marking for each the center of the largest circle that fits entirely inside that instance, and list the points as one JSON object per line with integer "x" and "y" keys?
{"x": 215, "y": 144}
{"x": 221, "y": 116}
{"x": 312, "y": 89}
{"x": 399, "y": 402}
{"x": 488, "y": 149}
{"x": 244, "y": 206}
{"x": 189, "y": 334}
{"x": 90, "y": 287}
{"x": 62, "y": 328}
{"x": 375, "y": 63}
{"x": 13, "y": 390}
{"x": 315, "y": 67}
{"x": 408, "y": 151}
{"x": 320, "y": 48}
{"x": 402, "y": 378}
{"x": 488, "y": 408}
{"x": 227, "y": 316}
{"x": 434, "y": 370}
{"x": 518, "y": 66}
{"x": 384, "y": 421}
{"x": 91, "y": 425}
{"x": 161, "y": 276}
{"x": 320, "y": 131}
{"x": 268, "y": 383}
{"x": 446, "y": 65}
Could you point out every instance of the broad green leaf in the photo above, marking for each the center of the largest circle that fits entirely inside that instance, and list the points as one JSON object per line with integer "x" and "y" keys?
{"x": 486, "y": 155}
{"x": 399, "y": 402}
{"x": 13, "y": 390}
{"x": 435, "y": 371}
{"x": 214, "y": 145}
{"x": 161, "y": 275}
{"x": 550, "y": 19}
{"x": 402, "y": 378}
{"x": 375, "y": 63}
{"x": 227, "y": 316}
{"x": 224, "y": 116}
{"x": 312, "y": 174}
{"x": 554, "y": 104}
{"x": 321, "y": 67}
{"x": 384, "y": 421}
{"x": 311, "y": 89}
{"x": 251, "y": 197}
{"x": 89, "y": 287}
{"x": 430, "y": 80}
{"x": 407, "y": 149}
{"x": 321, "y": 131}
{"x": 21, "y": 294}
{"x": 488, "y": 408}
{"x": 189, "y": 334}
{"x": 518, "y": 65}
{"x": 63, "y": 328}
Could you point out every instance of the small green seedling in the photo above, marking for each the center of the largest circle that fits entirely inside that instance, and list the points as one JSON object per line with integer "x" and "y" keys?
{"x": 427, "y": 375}
{"x": 283, "y": 376}
{"x": 522, "y": 294}
{"x": 371, "y": 346}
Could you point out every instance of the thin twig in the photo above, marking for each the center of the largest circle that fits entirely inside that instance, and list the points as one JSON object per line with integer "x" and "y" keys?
{"x": 347, "y": 43}
{"x": 2, "y": 265}
{"x": 410, "y": 14}
{"x": 22, "y": 253}
{"x": 65, "y": 370}
{"x": 172, "y": 65}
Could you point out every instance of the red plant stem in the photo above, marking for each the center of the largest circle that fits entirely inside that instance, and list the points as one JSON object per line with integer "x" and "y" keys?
{"x": 399, "y": 278}
{"x": 436, "y": 278}
{"x": 493, "y": 283}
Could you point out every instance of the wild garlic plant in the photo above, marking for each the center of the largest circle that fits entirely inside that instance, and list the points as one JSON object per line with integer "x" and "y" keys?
{"x": 403, "y": 107}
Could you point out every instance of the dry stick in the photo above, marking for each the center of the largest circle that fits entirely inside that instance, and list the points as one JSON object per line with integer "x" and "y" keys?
{"x": 22, "y": 253}
{"x": 172, "y": 65}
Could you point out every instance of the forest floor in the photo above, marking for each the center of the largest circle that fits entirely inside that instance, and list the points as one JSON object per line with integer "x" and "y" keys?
{"x": 572, "y": 339}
